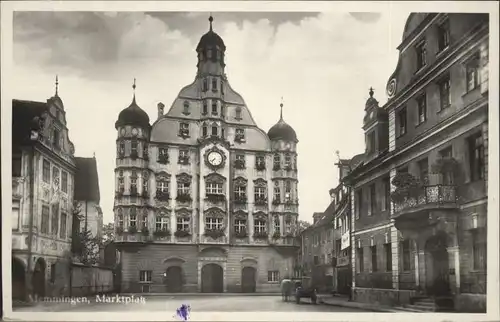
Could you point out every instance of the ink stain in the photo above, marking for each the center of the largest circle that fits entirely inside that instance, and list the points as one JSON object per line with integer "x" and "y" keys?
{"x": 183, "y": 312}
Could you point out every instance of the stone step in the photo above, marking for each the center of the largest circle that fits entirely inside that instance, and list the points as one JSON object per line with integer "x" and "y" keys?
{"x": 429, "y": 304}
{"x": 421, "y": 308}
{"x": 425, "y": 300}
{"x": 406, "y": 309}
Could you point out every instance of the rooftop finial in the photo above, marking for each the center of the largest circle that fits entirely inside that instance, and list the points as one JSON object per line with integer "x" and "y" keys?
{"x": 281, "y": 108}
{"x": 371, "y": 92}
{"x": 57, "y": 85}
{"x": 133, "y": 88}
{"x": 210, "y": 19}
{"x": 337, "y": 153}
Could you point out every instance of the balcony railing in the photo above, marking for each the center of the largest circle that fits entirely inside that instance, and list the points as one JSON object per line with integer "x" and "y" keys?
{"x": 437, "y": 195}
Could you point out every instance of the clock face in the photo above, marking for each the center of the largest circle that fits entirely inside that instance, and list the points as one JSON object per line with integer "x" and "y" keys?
{"x": 122, "y": 132}
{"x": 215, "y": 158}
{"x": 134, "y": 131}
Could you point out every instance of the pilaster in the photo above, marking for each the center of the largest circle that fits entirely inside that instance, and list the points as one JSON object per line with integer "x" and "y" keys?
{"x": 454, "y": 260}
{"x": 394, "y": 240}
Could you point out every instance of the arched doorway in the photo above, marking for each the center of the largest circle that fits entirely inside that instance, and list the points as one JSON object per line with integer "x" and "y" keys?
{"x": 248, "y": 283}
{"x": 212, "y": 279}
{"x": 437, "y": 265}
{"x": 39, "y": 278}
{"x": 18, "y": 280}
{"x": 174, "y": 279}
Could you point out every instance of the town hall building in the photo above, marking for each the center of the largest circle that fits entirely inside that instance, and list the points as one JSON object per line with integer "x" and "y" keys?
{"x": 206, "y": 201}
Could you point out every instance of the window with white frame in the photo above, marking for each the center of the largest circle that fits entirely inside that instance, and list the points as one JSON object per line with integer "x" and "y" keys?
{"x": 145, "y": 185}
{"x": 162, "y": 186}
{"x": 183, "y": 188}
{"x": 260, "y": 193}
{"x": 277, "y": 224}
{"x": 213, "y": 188}
{"x": 212, "y": 223}
{"x": 273, "y": 276}
{"x": 133, "y": 147}
{"x": 183, "y": 224}
{"x": 288, "y": 160}
{"x": 120, "y": 220}
{"x": 276, "y": 161}
{"x": 472, "y": 72}
{"x": 240, "y": 191}
{"x": 145, "y": 276}
{"x": 161, "y": 223}
{"x": 277, "y": 192}
{"x": 184, "y": 129}
{"x": 133, "y": 183}
{"x": 260, "y": 225}
{"x": 184, "y": 155}
{"x": 240, "y": 225}
{"x": 240, "y": 134}
{"x": 133, "y": 218}
{"x": 288, "y": 191}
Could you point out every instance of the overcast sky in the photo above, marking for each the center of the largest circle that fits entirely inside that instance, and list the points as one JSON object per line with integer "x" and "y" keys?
{"x": 323, "y": 65}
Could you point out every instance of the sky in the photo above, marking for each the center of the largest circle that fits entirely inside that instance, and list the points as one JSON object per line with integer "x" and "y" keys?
{"x": 322, "y": 64}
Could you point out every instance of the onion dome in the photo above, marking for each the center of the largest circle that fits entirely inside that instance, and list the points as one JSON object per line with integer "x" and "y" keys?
{"x": 211, "y": 39}
{"x": 371, "y": 101}
{"x": 133, "y": 115}
{"x": 281, "y": 130}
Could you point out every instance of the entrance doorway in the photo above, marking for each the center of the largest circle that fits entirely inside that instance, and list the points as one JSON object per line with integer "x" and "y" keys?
{"x": 39, "y": 278}
{"x": 18, "y": 280}
{"x": 174, "y": 279}
{"x": 437, "y": 265}
{"x": 212, "y": 279}
{"x": 344, "y": 280}
{"x": 248, "y": 282}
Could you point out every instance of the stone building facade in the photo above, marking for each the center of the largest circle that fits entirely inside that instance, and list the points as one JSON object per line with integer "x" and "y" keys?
{"x": 205, "y": 201}
{"x": 43, "y": 170}
{"x": 419, "y": 198}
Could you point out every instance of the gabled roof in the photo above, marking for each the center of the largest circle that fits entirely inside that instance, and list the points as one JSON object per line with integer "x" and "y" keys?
{"x": 86, "y": 180}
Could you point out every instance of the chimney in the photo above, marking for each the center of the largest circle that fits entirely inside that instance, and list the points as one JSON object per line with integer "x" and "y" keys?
{"x": 332, "y": 195}
{"x": 317, "y": 216}
{"x": 161, "y": 106}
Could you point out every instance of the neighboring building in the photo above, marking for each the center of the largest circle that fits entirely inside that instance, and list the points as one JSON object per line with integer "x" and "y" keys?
{"x": 87, "y": 195}
{"x": 427, "y": 151}
{"x": 213, "y": 196}
{"x": 43, "y": 169}
{"x": 317, "y": 249}
{"x": 342, "y": 273}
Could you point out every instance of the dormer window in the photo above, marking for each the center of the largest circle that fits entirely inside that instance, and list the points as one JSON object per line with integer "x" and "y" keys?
{"x": 183, "y": 129}
{"x": 240, "y": 161}
{"x": 186, "y": 108}
{"x": 162, "y": 155}
{"x": 240, "y": 135}
{"x": 133, "y": 149}
{"x": 214, "y": 84}
{"x": 444, "y": 92}
{"x": 276, "y": 162}
{"x": 422, "y": 109}
{"x": 204, "y": 130}
{"x": 205, "y": 85}
{"x": 370, "y": 142}
{"x": 55, "y": 139}
{"x": 205, "y": 108}
{"x": 472, "y": 73}
{"x": 421, "y": 52}
{"x": 214, "y": 107}
{"x": 402, "y": 121}
{"x": 183, "y": 156}
{"x": 238, "y": 113}
{"x": 443, "y": 35}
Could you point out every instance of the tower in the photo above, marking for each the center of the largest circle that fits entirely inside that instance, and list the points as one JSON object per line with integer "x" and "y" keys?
{"x": 375, "y": 126}
{"x": 284, "y": 177}
{"x": 131, "y": 172}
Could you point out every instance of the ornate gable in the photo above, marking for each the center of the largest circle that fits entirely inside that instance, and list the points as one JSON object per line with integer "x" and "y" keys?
{"x": 215, "y": 178}
{"x": 184, "y": 178}
{"x": 162, "y": 176}
{"x": 240, "y": 181}
{"x": 260, "y": 182}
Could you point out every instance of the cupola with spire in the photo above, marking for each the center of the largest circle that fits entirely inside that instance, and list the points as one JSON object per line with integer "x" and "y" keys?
{"x": 281, "y": 130}
{"x": 133, "y": 115}
{"x": 376, "y": 127}
{"x": 211, "y": 50}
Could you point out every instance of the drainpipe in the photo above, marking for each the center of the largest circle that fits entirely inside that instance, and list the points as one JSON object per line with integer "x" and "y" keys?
{"x": 29, "y": 289}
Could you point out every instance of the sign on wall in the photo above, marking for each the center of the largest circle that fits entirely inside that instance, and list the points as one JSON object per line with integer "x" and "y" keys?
{"x": 345, "y": 241}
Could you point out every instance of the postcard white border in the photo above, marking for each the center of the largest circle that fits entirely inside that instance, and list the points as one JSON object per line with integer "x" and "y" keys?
{"x": 7, "y": 9}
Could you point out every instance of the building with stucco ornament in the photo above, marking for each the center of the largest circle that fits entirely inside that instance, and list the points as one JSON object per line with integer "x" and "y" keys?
{"x": 206, "y": 201}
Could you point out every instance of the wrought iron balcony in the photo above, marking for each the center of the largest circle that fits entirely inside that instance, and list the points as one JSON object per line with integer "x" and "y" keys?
{"x": 427, "y": 198}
